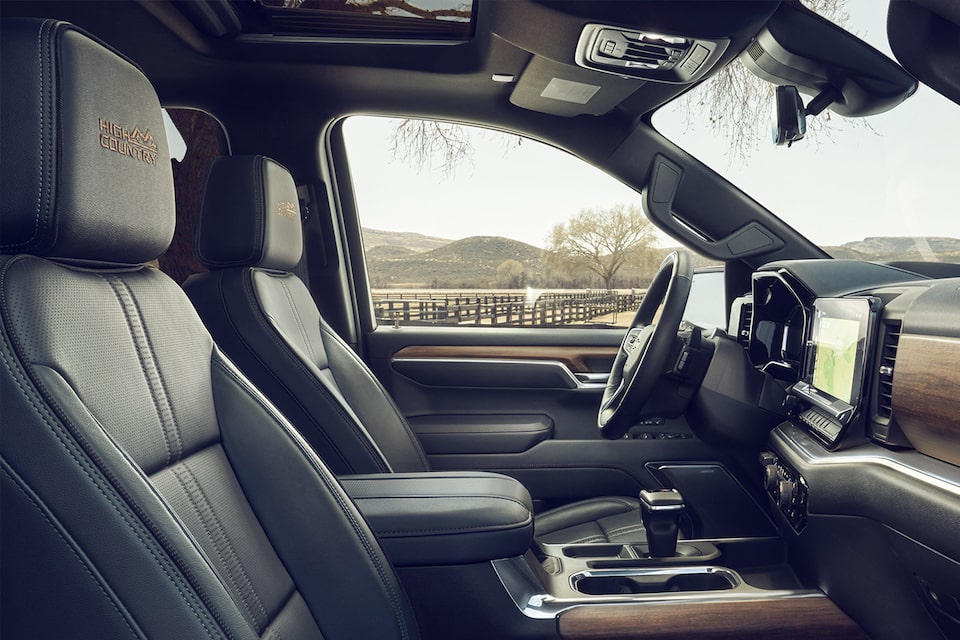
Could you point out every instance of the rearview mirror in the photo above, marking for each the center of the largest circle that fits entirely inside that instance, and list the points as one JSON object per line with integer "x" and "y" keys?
{"x": 789, "y": 116}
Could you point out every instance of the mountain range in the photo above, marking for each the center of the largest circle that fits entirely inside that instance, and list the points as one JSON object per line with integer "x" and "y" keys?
{"x": 406, "y": 259}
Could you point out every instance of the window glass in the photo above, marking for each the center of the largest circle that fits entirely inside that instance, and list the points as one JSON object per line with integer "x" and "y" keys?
{"x": 880, "y": 188}
{"x": 466, "y": 226}
{"x": 356, "y": 20}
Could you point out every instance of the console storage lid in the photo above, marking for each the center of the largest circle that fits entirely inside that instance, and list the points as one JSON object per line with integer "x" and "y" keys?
{"x": 425, "y": 519}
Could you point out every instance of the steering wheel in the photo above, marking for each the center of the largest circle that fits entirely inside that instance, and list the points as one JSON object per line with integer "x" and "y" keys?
{"x": 643, "y": 354}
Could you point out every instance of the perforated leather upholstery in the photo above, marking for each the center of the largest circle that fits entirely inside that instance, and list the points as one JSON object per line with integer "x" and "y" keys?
{"x": 149, "y": 491}
{"x": 266, "y": 321}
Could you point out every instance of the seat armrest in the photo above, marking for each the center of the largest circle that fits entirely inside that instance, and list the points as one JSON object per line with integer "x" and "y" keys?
{"x": 443, "y": 518}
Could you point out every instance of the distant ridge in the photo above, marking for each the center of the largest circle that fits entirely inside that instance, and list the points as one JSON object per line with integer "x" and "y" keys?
{"x": 470, "y": 262}
{"x": 404, "y": 259}
{"x": 897, "y": 248}
{"x": 401, "y": 239}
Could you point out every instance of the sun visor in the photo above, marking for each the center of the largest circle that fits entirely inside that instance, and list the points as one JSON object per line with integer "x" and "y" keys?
{"x": 566, "y": 90}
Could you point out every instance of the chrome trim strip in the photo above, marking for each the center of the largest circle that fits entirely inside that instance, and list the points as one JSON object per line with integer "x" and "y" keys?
{"x": 593, "y": 378}
{"x": 801, "y": 444}
{"x": 529, "y": 595}
{"x": 565, "y": 370}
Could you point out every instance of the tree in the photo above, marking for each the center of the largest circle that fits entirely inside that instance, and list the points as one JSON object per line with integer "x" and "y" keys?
{"x": 511, "y": 274}
{"x": 600, "y": 241}
{"x": 738, "y": 102}
{"x": 419, "y": 142}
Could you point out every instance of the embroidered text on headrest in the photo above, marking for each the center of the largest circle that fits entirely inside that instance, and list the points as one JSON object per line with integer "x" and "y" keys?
{"x": 137, "y": 144}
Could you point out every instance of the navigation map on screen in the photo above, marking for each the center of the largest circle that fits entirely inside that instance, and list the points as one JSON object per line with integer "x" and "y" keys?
{"x": 835, "y": 361}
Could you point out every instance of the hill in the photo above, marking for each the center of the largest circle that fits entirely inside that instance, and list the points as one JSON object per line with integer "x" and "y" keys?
{"x": 885, "y": 249}
{"x": 471, "y": 262}
{"x": 414, "y": 260}
{"x": 400, "y": 239}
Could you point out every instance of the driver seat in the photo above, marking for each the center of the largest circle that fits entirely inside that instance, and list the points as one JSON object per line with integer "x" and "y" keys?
{"x": 266, "y": 321}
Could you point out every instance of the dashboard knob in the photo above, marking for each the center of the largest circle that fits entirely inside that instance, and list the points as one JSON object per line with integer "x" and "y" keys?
{"x": 786, "y": 490}
{"x": 771, "y": 477}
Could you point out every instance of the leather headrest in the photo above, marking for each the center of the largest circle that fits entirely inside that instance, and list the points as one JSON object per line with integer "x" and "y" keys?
{"x": 86, "y": 174}
{"x": 250, "y": 215}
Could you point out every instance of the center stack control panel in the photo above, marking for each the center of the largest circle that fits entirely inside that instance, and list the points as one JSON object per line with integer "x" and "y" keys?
{"x": 787, "y": 489}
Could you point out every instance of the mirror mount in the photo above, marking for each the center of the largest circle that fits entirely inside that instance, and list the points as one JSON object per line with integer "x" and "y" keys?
{"x": 823, "y": 100}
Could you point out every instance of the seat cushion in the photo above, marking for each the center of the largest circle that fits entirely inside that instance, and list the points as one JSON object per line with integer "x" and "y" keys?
{"x": 607, "y": 519}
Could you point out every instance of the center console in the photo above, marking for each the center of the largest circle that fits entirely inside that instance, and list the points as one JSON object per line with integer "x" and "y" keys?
{"x": 462, "y": 543}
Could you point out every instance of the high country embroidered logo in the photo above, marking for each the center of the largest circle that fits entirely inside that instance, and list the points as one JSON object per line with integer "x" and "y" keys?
{"x": 286, "y": 210}
{"x": 135, "y": 143}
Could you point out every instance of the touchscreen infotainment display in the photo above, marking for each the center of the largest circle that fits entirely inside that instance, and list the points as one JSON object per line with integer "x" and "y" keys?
{"x": 837, "y": 347}
{"x": 835, "y": 356}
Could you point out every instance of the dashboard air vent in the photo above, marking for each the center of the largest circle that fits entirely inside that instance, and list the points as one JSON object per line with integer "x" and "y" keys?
{"x": 888, "y": 358}
{"x": 746, "y": 320}
{"x": 650, "y": 52}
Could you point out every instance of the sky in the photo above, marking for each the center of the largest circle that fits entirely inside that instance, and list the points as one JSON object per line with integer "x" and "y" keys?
{"x": 897, "y": 178}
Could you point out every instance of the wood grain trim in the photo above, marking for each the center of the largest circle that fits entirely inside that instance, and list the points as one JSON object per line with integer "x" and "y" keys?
{"x": 925, "y": 399}
{"x": 789, "y": 618}
{"x": 575, "y": 358}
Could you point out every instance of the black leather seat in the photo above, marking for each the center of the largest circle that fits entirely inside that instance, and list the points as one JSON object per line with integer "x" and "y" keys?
{"x": 148, "y": 487}
{"x": 266, "y": 321}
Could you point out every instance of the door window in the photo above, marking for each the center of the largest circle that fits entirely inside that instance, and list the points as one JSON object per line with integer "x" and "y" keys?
{"x": 467, "y": 226}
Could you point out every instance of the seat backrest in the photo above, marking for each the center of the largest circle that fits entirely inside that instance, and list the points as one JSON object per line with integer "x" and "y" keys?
{"x": 148, "y": 489}
{"x": 262, "y": 315}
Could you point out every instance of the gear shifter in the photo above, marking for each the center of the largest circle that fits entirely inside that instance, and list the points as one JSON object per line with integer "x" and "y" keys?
{"x": 660, "y": 511}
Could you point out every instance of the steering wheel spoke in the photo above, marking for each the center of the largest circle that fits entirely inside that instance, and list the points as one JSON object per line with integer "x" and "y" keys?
{"x": 646, "y": 346}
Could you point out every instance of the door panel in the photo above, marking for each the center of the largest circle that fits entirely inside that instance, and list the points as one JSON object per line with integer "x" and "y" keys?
{"x": 521, "y": 400}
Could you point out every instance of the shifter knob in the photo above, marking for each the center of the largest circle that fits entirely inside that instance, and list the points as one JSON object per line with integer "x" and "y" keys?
{"x": 660, "y": 511}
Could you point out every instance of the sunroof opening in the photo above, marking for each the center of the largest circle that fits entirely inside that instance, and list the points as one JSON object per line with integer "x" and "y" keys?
{"x": 385, "y": 20}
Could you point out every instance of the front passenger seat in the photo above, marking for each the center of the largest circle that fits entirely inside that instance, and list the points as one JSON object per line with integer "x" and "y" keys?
{"x": 262, "y": 315}
{"x": 149, "y": 490}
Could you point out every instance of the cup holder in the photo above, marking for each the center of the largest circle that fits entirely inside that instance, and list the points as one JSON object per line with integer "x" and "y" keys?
{"x": 596, "y": 551}
{"x": 672, "y": 580}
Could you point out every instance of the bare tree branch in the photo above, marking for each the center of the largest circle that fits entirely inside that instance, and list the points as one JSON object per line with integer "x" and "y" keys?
{"x": 600, "y": 241}
{"x": 739, "y": 103}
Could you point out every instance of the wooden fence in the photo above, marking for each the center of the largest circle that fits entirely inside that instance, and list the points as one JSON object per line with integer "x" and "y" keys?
{"x": 507, "y": 308}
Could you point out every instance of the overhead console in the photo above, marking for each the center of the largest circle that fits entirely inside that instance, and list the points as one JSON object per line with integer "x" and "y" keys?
{"x": 647, "y": 55}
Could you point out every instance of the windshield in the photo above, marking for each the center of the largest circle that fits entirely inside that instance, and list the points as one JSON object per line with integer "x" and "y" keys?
{"x": 880, "y": 188}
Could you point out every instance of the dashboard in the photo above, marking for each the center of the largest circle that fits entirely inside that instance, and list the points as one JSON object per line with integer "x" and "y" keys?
{"x": 867, "y": 456}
